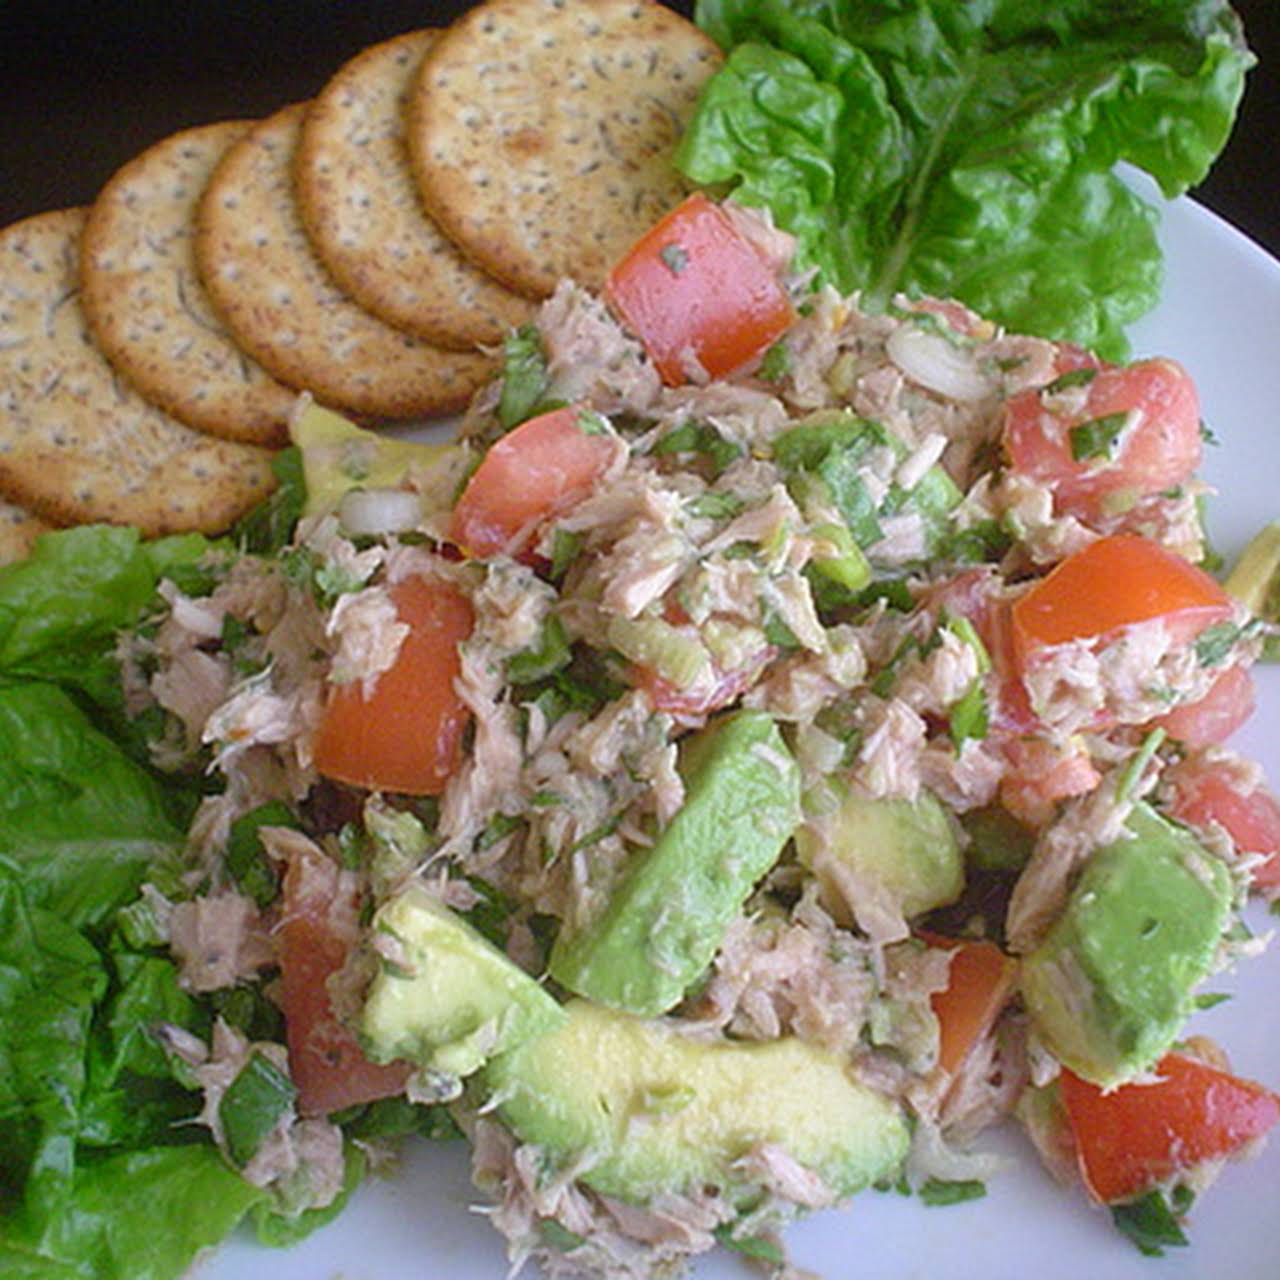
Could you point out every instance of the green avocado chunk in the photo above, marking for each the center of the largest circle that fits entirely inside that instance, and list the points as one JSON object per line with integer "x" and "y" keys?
{"x": 646, "y": 1110}
{"x": 663, "y": 923}
{"x": 1111, "y": 984}
{"x": 902, "y": 851}
{"x": 451, "y": 999}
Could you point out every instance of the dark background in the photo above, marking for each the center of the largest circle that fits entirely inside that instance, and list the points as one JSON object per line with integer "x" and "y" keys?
{"x": 85, "y": 86}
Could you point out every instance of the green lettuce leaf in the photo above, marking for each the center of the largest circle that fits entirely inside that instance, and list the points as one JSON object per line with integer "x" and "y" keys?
{"x": 50, "y": 980}
{"x": 145, "y": 1215}
{"x": 81, "y": 823}
{"x": 967, "y": 150}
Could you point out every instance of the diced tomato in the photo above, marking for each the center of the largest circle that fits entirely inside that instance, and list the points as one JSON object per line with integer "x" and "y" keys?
{"x": 1214, "y": 718}
{"x": 1116, "y": 582}
{"x": 978, "y": 988}
{"x": 535, "y": 471}
{"x": 1041, "y": 772}
{"x": 1131, "y": 1139}
{"x": 1221, "y": 790}
{"x": 317, "y": 930}
{"x": 695, "y": 288}
{"x": 1066, "y": 448}
{"x": 406, "y": 735}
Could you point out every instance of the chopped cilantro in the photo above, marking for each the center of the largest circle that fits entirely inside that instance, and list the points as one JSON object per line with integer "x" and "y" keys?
{"x": 938, "y": 1191}
{"x": 1072, "y": 378}
{"x": 675, "y": 257}
{"x": 699, "y": 437}
{"x": 524, "y": 376}
{"x": 1097, "y": 437}
{"x": 776, "y": 363}
{"x": 715, "y": 506}
{"x": 1150, "y": 1222}
{"x": 760, "y": 1247}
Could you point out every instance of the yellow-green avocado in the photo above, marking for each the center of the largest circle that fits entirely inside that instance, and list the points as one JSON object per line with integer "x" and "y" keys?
{"x": 1111, "y": 984}
{"x": 904, "y": 849}
{"x": 646, "y": 1110}
{"x": 665, "y": 920}
{"x": 451, "y": 999}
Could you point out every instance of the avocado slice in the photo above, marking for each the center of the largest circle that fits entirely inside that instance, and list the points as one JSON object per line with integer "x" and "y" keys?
{"x": 1255, "y": 581}
{"x": 1111, "y": 984}
{"x": 451, "y": 998}
{"x": 904, "y": 852}
{"x": 663, "y": 923}
{"x": 661, "y": 1112}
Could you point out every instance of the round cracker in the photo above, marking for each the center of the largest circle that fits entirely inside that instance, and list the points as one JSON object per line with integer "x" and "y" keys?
{"x": 274, "y": 294}
{"x": 542, "y": 131}
{"x": 147, "y": 307}
{"x": 360, "y": 205}
{"x": 19, "y": 530}
{"x": 78, "y": 445}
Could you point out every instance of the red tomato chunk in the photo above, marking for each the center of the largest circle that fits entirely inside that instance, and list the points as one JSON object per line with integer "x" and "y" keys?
{"x": 406, "y": 735}
{"x": 1149, "y": 411}
{"x": 1138, "y": 1136}
{"x": 319, "y": 926}
{"x": 535, "y": 471}
{"x": 695, "y": 289}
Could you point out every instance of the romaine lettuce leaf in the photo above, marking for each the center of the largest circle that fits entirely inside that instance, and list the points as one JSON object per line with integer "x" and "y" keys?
{"x": 81, "y": 823}
{"x": 967, "y": 150}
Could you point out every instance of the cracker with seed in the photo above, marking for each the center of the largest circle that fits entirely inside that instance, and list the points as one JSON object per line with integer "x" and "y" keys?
{"x": 77, "y": 443}
{"x": 360, "y": 205}
{"x": 146, "y": 305}
{"x": 542, "y": 131}
{"x": 285, "y": 309}
{"x": 19, "y": 530}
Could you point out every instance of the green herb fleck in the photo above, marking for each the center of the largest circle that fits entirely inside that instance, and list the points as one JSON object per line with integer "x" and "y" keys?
{"x": 1072, "y": 378}
{"x": 675, "y": 257}
{"x": 1097, "y": 437}
{"x": 776, "y": 363}
{"x": 524, "y": 376}
{"x": 1150, "y": 1222}
{"x": 715, "y": 506}
{"x": 938, "y": 1191}
{"x": 257, "y": 1099}
{"x": 760, "y": 1247}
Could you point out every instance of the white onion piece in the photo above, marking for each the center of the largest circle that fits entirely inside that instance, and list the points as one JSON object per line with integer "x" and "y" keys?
{"x": 370, "y": 512}
{"x": 935, "y": 363}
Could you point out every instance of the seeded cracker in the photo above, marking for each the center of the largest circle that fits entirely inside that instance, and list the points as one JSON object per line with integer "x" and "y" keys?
{"x": 19, "y": 530}
{"x": 541, "y": 131}
{"x": 78, "y": 445}
{"x": 360, "y": 205}
{"x": 147, "y": 307}
{"x": 285, "y": 309}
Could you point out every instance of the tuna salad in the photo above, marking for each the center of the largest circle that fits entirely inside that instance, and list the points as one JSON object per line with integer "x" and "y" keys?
{"x": 770, "y": 744}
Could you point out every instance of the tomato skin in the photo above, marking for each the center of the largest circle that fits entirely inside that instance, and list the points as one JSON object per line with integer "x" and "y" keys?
{"x": 1211, "y": 720}
{"x": 319, "y": 925}
{"x": 694, "y": 286}
{"x": 538, "y": 469}
{"x": 1137, "y": 1136}
{"x": 1161, "y": 451}
{"x": 1115, "y": 582}
{"x": 406, "y": 736}
{"x": 1208, "y": 791}
{"x": 979, "y": 986}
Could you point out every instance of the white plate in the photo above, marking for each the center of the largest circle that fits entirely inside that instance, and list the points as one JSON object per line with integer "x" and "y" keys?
{"x": 1221, "y": 317}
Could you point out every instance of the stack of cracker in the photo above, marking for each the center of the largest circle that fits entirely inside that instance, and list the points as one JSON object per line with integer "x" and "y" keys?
{"x": 371, "y": 247}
